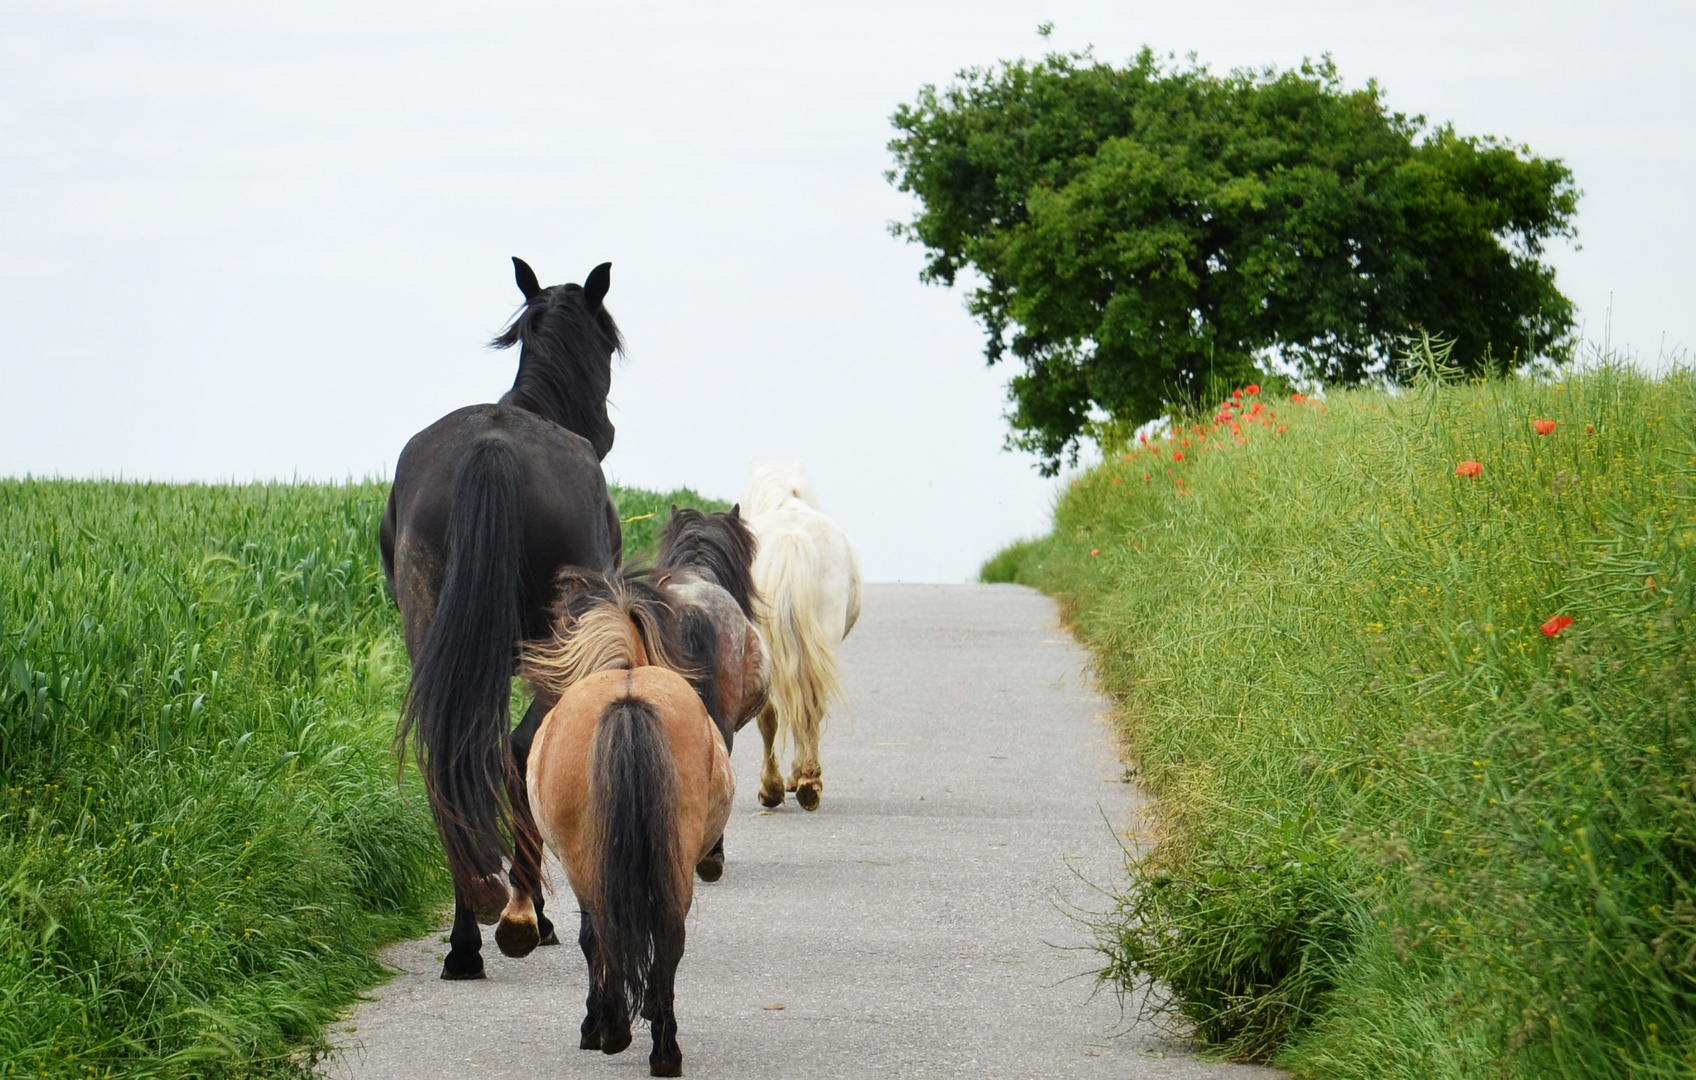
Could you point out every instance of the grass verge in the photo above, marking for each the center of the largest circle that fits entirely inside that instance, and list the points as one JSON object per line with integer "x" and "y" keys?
{"x": 1414, "y": 824}
{"x": 201, "y": 836}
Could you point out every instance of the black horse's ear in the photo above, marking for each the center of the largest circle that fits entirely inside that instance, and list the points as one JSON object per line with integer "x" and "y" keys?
{"x": 595, "y": 286}
{"x": 736, "y": 512}
{"x": 527, "y": 283}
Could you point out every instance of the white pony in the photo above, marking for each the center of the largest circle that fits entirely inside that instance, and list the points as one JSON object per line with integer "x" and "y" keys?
{"x": 808, "y": 576}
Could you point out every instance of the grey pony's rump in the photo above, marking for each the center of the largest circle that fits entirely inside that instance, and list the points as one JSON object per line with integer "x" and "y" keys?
{"x": 637, "y": 912}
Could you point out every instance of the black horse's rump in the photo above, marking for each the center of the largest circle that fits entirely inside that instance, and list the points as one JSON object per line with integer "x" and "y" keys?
{"x": 719, "y": 547}
{"x": 488, "y": 503}
{"x": 638, "y": 909}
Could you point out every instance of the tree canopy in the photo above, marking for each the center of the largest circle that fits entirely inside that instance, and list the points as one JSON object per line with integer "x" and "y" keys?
{"x": 1142, "y": 234}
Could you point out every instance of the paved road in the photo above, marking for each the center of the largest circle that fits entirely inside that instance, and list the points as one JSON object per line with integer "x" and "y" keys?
{"x": 912, "y": 927}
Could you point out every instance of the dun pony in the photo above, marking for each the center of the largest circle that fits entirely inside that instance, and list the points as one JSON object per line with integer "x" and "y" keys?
{"x": 630, "y": 784}
{"x": 808, "y": 575}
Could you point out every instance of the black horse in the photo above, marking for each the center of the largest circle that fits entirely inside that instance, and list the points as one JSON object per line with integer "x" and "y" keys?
{"x": 488, "y": 503}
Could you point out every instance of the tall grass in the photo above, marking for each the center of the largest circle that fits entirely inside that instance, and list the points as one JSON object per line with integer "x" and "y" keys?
{"x": 1405, "y": 832}
{"x": 201, "y": 835}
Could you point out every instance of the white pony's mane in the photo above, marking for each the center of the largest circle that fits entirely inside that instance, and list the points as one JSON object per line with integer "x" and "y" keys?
{"x": 774, "y": 483}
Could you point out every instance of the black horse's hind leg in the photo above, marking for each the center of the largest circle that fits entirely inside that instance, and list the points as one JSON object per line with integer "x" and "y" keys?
{"x": 465, "y": 952}
{"x": 605, "y": 1026}
{"x": 527, "y": 865}
{"x": 666, "y": 1059}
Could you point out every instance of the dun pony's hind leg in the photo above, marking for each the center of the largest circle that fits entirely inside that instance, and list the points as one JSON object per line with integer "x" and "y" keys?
{"x": 465, "y": 951}
{"x": 605, "y": 1027}
{"x": 771, "y": 777}
{"x": 526, "y": 872}
{"x": 807, "y": 775}
{"x": 666, "y": 1059}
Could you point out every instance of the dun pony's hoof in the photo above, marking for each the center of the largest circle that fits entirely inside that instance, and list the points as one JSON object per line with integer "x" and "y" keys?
{"x": 711, "y": 866}
{"x": 517, "y": 939}
{"x": 770, "y": 797}
{"x": 807, "y": 793}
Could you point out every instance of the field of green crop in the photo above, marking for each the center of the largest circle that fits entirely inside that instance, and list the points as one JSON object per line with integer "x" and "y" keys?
{"x": 1413, "y": 822}
{"x": 201, "y": 835}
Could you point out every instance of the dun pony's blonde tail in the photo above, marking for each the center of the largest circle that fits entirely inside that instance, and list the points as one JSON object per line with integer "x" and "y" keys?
{"x": 804, "y": 679}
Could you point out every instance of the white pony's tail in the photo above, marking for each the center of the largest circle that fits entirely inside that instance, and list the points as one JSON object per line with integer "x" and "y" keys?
{"x": 803, "y": 654}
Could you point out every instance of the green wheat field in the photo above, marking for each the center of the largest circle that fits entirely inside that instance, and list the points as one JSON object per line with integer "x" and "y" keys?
{"x": 202, "y": 837}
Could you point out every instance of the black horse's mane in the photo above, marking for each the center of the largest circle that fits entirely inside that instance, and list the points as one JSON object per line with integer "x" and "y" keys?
{"x": 719, "y": 547}
{"x": 563, "y": 346}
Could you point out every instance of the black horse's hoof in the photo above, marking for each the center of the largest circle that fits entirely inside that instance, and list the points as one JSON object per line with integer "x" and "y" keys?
{"x": 711, "y": 867}
{"x": 517, "y": 939}
{"x": 665, "y": 1068}
{"x": 615, "y": 1042}
{"x": 591, "y": 1040}
{"x": 459, "y": 971}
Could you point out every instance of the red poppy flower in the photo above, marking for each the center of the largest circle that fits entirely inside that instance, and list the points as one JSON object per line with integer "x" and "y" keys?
{"x": 1471, "y": 469}
{"x": 1252, "y": 388}
{"x": 1257, "y": 410}
{"x": 1543, "y": 427}
{"x": 1236, "y": 393}
{"x": 1555, "y": 625}
{"x": 1146, "y": 478}
{"x": 1280, "y": 429}
{"x": 1093, "y": 552}
{"x": 1298, "y": 398}
{"x": 1589, "y": 429}
{"x": 1177, "y": 455}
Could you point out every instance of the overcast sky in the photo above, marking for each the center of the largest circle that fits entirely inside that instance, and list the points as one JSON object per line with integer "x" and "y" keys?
{"x": 243, "y": 241}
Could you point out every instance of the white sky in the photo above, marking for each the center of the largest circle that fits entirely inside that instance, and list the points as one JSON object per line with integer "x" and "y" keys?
{"x": 245, "y": 241}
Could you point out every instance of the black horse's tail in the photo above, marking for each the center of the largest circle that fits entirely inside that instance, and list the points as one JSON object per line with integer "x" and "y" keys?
{"x": 457, "y": 706}
{"x": 638, "y": 909}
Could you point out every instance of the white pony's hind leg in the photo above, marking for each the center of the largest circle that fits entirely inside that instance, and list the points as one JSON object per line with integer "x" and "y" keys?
{"x": 771, "y": 777}
{"x": 806, "y": 777}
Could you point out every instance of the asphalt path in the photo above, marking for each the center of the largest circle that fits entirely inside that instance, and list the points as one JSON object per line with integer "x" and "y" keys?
{"x": 929, "y": 920}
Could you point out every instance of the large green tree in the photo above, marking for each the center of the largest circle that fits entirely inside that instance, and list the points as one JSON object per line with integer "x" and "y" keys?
{"x": 1142, "y": 234}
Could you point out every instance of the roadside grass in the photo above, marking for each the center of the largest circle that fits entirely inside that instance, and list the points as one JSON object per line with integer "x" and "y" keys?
{"x": 202, "y": 839}
{"x": 644, "y": 513}
{"x": 1405, "y": 830}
